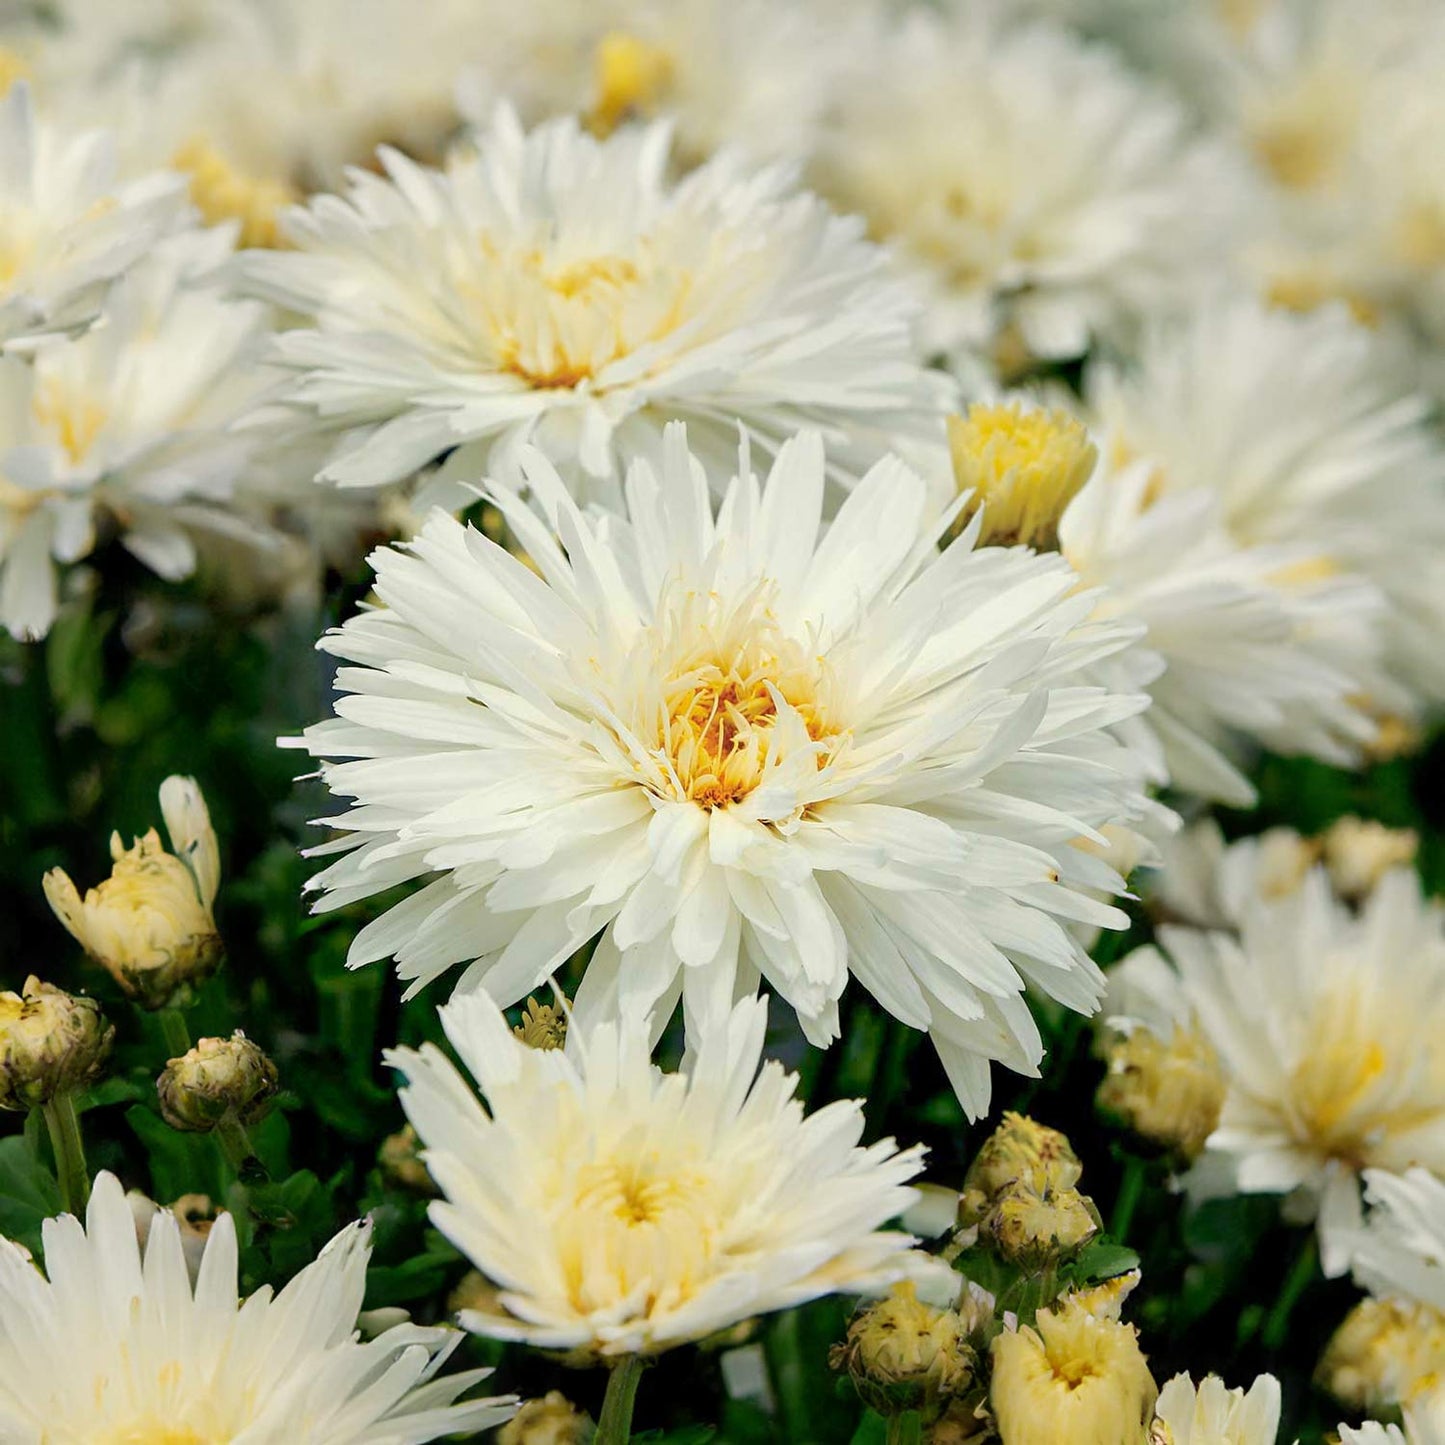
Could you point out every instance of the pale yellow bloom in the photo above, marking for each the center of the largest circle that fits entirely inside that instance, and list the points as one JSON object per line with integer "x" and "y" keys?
{"x": 1385, "y": 1354}
{"x": 1018, "y": 1151}
{"x": 1358, "y": 852}
{"x": 150, "y": 924}
{"x": 1169, "y": 1091}
{"x": 50, "y": 1043}
{"x": 1030, "y": 1228}
{"x": 1072, "y": 1377}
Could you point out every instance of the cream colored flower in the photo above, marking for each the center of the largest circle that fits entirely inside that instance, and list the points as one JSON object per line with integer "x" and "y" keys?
{"x": 150, "y": 925}
{"x": 1072, "y": 1377}
{"x": 51, "y": 1042}
{"x": 551, "y": 1420}
{"x": 1386, "y": 1351}
{"x": 1358, "y": 852}
{"x": 1214, "y": 1415}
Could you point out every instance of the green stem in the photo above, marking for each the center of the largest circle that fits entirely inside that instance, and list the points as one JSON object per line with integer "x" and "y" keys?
{"x": 1302, "y": 1272}
{"x": 177, "y": 1035}
{"x": 64, "y": 1125}
{"x": 234, "y": 1141}
{"x": 615, "y": 1425}
{"x": 1131, "y": 1188}
{"x": 905, "y": 1428}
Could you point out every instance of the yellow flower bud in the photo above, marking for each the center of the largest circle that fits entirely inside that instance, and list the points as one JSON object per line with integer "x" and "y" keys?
{"x": 216, "y": 1078}
{"x": 400, "y": 1160}
{"x": 542, "y": 1026}
{"x": 1385, "y": 1353}
{"x": 552, "y": 1420}
{"x": 51, "y": 1042}
{"x": 1018, "y": 1151}
{"x": 903, "y": 1354}
{"x": 1023, "y": 465}
{"x": 1359, "y": 852}
{"x": 1032, "y": 1229}
{"x": 1106, "y": 1299}
{"x": 1169, "y": 1092}
{"x": 1072, "y": 1377}
{"x": 150, "y": 925}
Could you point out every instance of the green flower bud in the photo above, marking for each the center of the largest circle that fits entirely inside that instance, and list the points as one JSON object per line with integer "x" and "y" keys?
{"x": 1031, "y": 1230}
{"x": 51, "y": 1043}
{"x": 218, "y": 1077}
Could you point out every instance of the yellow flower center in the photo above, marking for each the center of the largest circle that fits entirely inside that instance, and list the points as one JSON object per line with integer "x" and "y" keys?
{"x": 155, "y": 1433}
{"x": 632, "y": 77}
{"x": 1420, "y": 236}
{"x": 1305, "y": 288}
{"x": 1303, "y": 133}
{"x": 223, "y": 192}
{"x": 72, "y": 418}
{"x": 1024, "y": 466}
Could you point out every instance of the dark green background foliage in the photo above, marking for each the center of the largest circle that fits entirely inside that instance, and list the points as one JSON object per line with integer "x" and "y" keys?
{"x": 120, "y": 696}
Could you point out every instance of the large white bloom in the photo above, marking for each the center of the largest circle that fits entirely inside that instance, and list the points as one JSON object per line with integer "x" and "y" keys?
{"x": 620, "y": 1210}
{"x": 1306, "y": 431}
{"x": 115, "y": 1346}
{"x": 1214, "y": 1415}
{"x": 1030, "y": 177}
{"x": 67, "y": 227}
{"x": 735, "y": 748}
{"x": 1323, "y": 1020}
{"x": 551, "y": 287}
{"x": 127, "y": 426}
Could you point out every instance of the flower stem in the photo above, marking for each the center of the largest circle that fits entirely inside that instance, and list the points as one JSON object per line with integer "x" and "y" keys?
{"x": 1131, "y": 1187}
{"x": 64, "y": 1125}
{"x": 615, "y": 1425}
{"x": 1276, "y": 1327}
{"x": 905, "y": 1428}
{"x": 235, "y": 1143}
{"x": 177, "y": 1035}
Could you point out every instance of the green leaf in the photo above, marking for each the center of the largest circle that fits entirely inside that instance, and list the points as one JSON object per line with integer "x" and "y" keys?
{"x": 28, "y": 1193}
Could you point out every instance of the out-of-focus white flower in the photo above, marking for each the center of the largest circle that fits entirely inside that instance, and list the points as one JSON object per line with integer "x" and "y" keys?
{"x": 735, "y": 748}
{"x": 620, "y": 1210}
{"x": 118, "y": 1345}
{"x": 552, "y": 288}
{"x": 1043, "y": 190}
{"x": 1422, "y": 1427}
{"x": 128, "y": 427}
{"x": 1322, "y": 1018}
{"x": 1215, "y": 1415}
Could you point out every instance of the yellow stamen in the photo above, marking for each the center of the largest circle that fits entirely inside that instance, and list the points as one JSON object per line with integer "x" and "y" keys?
{"x": 223, "y": 192}
{"x": 632, "y": 77}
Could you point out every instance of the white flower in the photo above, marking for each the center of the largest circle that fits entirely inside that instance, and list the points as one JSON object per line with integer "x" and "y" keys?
{"x": 1306, "y": 431}
{"x": 1214, "y": 1415}
{"x": 116, "y": 1346}
{"x": 551, "y": 287}
{"x": 127, "y": 426}
{"x": 1323, "y": 1020}
{"x": 68, "y": 227}
{"x": 620, "y": 1210}
{"x": 1401, "y": 1252}
{"x": 1422, "y": 1427}
{"x": 734, "y": 749}
{"x": 1037, "y": 183}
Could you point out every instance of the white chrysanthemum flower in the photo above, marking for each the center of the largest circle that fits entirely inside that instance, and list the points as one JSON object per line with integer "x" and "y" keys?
{"x": 732, "y": 749}
{"x": 1401, "y": 1251}
{"x": 1307, "y": 432}
{"x": 69, "y": 227}
{"x": 1214, "y": 1415}
{"x": 118, "y": 1346}
{"x": 1323, "y": 1020}
{"x": 555, "y": 288}
{"x": 1040, "y": 187}
{"x": 619, "y": 1210}
{"x": 1423, "y": 1426}
{"x": 127, "y": 426}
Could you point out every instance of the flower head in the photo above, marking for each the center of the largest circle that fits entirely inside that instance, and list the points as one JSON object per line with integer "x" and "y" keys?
{"x": 117, "y": 1345}
{"x": 551, "y": 1420}
{"x": 734, "y": 748}
{"x": 218, "y": 1077}
{"x": 150, "y": 925}
{"x": 619, "y": 1210}
{"x": 51, "y": 1042}
{"x": 1215, "y": 1415}
{"x": 1386, "y": 1352}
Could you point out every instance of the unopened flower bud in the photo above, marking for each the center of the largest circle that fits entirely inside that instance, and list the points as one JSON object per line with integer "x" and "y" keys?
{"x": 150, "y": 925}
{"x": 1359, "y": 852}
{"x": 552, "y": 1420}
{"x": 1019, "y": 1150}
{"x": 543, "y": 1026}
{"x": 194, "y": 1214}
{"x": 903, "y": 1354}
{"x": 1383, "y": 1354}
{"x": 51, "y": 1043}
{"x": 216, "y": 1078}
{"x": 1033, "y": 1229}
{"x": 400, "y": 1161}
{"x": 1023, "y": 464}
{"x": 1168, "y": 1091}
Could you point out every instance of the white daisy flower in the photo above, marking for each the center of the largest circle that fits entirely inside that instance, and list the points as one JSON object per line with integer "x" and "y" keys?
{"x": 1045, "y": 193}
{"x": 553, "y": 288}
{"x": 735, "y": 748}
{"x": 1306, "y": 430}
{"x": 619, "y": 1210}
{"x": 1215, "y": 1415}
{"x": 69, "y": 227}
{"x": 1401, "y": 1251}
{"x": 127, "y": 426}
{"x": 1322, "y": 1018}
{"x": 1423, "y": 1426}
{"x": 116, "y": 1345}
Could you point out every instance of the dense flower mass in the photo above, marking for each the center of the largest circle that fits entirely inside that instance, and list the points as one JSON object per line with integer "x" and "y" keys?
{"x": 735, "y": 749}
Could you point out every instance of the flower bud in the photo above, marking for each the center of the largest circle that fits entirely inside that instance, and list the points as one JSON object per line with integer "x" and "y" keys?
{"x": 1019, "y": 1150}
{"x": 218, "y": 1077}
{"x": 51, "y": 1042}
{"x": 552, "y": 1420}
{"x": 1024, "y": 465}
{"x": 150, "y": 925}
{"x": 1169, "y": 1092}
{"x": 543, "y": 1026}
{"x": 195, "y": 1216}
{"x": 1031, "y": 1230}
{"x": 1072, "y": 1377}
{"x": 903, "y": 1354}
{"x": 1383, "y": 1354}
{"x": 400, "y": 1162}
{"x": 1359, "y": 852}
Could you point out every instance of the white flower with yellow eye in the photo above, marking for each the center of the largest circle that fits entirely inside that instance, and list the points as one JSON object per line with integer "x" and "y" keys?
{"x": 113, "y": 1345}
{"x": 553, "y": 288}
{"x": 1215, "y": 1415}
{"x": 619, "y": 1210}
{"x": 735, "y": 749}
